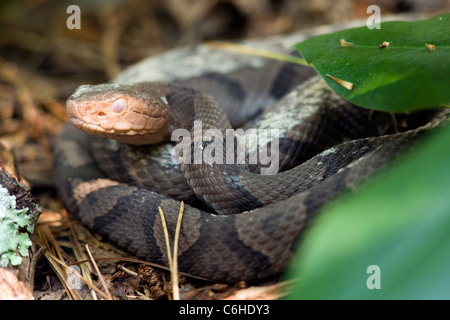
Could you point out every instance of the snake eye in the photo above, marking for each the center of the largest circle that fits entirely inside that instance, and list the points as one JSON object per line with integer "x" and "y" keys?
{"x": 119, "y": 105}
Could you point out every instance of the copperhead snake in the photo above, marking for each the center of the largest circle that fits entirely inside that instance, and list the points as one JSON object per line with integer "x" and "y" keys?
{"x": 237, "y": 224}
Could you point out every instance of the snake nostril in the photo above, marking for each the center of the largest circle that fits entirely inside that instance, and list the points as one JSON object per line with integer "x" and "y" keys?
{"x": 101, "y": 113}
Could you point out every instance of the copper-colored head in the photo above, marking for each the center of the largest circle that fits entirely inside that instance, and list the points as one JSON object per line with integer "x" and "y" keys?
{"x": 131, "y": 113}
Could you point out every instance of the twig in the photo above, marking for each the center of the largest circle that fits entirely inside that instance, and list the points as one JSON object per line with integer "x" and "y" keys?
{"x": 270, "y": 292}
{"x": 129, "y": 272}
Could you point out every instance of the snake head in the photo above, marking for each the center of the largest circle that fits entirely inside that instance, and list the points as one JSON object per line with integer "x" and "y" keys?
{"x": 131, "y": 113}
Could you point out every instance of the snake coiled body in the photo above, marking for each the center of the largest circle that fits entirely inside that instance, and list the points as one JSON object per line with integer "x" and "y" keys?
{"x": 246, "y": 225}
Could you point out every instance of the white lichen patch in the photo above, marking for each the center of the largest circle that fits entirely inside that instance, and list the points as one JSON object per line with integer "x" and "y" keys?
{"x": 13, "y": 243}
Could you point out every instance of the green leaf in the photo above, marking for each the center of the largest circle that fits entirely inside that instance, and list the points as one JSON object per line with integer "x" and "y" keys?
{"x": 400, "y": 224}
{"x": 404, "y": 76}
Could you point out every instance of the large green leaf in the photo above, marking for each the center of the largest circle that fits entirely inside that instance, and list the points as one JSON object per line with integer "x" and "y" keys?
{"x": 404, "y": 76}
{"x": 400, "y": 224}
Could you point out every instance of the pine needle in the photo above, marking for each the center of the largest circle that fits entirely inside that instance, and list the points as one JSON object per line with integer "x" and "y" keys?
{"x": 166, "y": 236}
{"x": 102, "y": 280}
{"x": 51, "y": 258}
{"x": 173, "y": 263}
{"x": 174, "y": 274}
{"x": 78, "y": 252}
{"x": 47, "y": 240}
{"x": 234, "y": 47}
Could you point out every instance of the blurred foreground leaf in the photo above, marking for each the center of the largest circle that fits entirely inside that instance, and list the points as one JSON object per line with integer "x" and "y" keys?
{"x": 400, "y": 224}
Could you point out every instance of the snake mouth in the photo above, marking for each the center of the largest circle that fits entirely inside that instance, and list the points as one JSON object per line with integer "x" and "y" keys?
{"x": 89, "y": 127}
